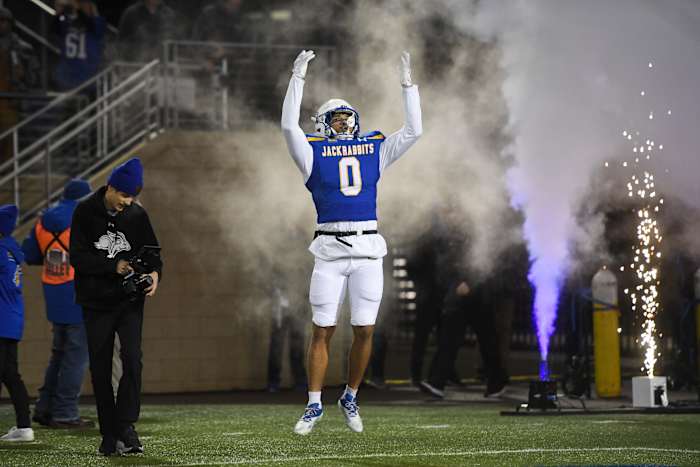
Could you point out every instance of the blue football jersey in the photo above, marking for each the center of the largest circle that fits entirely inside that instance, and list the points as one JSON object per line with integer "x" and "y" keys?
{"x": 343, "y": 181}
{"x": 81, "y": 51}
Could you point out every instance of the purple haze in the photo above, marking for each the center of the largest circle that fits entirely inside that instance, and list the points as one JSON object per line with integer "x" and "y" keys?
{"x": 573, "y": 73}
{"x": 546, "y": 282}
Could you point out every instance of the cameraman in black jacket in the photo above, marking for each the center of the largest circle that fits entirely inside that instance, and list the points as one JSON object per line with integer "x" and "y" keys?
{"x": 107, "y": 232}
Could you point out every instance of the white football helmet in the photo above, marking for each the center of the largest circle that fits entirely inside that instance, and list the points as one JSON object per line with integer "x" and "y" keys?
{"x": 325, "y": 113}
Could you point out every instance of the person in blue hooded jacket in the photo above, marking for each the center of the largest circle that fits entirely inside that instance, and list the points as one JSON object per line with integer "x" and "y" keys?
{"x": 48, "y": 245}
{"x": 12, "y": 324}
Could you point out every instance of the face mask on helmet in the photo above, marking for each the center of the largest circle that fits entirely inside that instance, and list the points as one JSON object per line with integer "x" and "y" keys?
{"x": 337, "y": 119}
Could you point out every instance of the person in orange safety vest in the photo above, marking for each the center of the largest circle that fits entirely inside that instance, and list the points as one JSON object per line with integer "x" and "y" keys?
{"x": 48, "y": 245}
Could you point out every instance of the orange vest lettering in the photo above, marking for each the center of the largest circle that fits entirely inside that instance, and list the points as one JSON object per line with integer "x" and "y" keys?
{"x": 54, "y": 247}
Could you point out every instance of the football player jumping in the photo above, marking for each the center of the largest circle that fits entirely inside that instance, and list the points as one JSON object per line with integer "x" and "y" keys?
{"x": 341, "y": 168}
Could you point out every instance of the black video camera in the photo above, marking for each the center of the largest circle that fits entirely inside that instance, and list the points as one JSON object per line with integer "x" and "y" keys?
{"x": 145, "y": 262}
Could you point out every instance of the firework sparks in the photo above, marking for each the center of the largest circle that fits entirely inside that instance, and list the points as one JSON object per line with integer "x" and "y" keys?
{"x": 646, "y": 252}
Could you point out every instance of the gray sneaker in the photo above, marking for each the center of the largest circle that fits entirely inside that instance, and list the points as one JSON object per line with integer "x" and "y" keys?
{"x": 18, "y": 435}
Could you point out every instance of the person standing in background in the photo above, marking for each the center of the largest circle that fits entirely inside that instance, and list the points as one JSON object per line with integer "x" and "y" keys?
{"x": 80, "y": 31}
{"x": 109, "y": 230}
{"x": 18, "y": 73}
{"x": 142, "y": 29}
{"x": 12, "y": 324}
{"x": 287, "y": 320}
{"x": 48, "y": 245}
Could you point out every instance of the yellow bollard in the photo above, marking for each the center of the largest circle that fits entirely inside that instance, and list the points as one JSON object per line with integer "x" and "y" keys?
{"x": 606, "y": 339}
{"x": 697, "y": 317}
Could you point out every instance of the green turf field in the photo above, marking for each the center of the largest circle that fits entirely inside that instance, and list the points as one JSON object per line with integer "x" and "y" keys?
{"x": 427, "y": 434}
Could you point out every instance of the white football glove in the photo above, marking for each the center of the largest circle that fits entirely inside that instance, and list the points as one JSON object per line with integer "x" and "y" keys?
{"x": 302, "y": 62}
{"x": 405, "y": 69}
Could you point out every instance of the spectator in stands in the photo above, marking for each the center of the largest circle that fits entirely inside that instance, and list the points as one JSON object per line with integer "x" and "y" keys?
{"x": 48, "y": 245}
{"x": 12, "y": 324}
{"x": 80, "y": 31}
{"x": 18, "y": 73}
{"x": 143, "y": 28}
{"x": 221, "y": 22}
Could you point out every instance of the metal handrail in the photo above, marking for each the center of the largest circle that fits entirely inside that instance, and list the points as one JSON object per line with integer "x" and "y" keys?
{"x": 52, "y": 12}
{"x": 62, "y": 97}
{"x": 44, "y": 141}
{"x": 84, "y": 111}
{"x": 113, "y": 106}
{"x": 243, "y": 45}
{"x": 27, "y": 96}
{"x": 38, "y": 38}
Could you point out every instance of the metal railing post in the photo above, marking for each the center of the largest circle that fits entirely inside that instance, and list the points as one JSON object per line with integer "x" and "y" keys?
{"x": 165, "y": 78}
{"x": 176, "y": 69}
{"x": 147, "y": 107}
{"x": 105, "y": 116}
{"x": 224, "y": 95}
{"x": 47, "y": 173}
{"x": 153, "y": 92}
{"x": 15, "y": 159}
{"x": 44, "y": 56}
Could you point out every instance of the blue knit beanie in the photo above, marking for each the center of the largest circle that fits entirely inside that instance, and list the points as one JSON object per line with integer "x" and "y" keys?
{"x": 8, "y": 219}
{"x": 128, "y": 177}
{"x": 76, "y": 189}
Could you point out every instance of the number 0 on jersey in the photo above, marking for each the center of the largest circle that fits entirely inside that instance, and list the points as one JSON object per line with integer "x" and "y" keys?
{"x": 347, "y": 165}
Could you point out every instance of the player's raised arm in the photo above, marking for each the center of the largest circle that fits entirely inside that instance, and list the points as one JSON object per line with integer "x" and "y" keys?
{"x": 299, "y": 148}
{"x": 398, "y": 143}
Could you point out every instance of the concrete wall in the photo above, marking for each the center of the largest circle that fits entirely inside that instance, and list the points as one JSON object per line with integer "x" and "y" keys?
{"x": 208, "y": 326}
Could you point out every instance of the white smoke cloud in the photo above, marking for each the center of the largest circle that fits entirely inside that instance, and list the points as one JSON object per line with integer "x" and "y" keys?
{"x": 562, "y": 78}
{"x": 574, "y": 76}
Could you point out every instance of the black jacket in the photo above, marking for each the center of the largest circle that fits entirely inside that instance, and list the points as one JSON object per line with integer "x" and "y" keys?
{"x": 98, "y": 241}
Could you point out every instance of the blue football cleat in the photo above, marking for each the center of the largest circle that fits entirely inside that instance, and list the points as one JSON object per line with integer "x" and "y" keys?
{"x": 351, "y": 412}
{"x": 312, "y": 414}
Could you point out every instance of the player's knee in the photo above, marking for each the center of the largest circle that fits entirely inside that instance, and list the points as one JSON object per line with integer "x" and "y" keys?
{"x": 365, "y": 309}
{"x": 364, "y": 318}
{"x": 364, "y": 332}
{"x": 325, "y": 316}
{"x": 322, "y": 334}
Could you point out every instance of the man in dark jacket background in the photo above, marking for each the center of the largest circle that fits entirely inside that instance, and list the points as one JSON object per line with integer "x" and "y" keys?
{"x": 48, "y": 245}
{"x": 109, "y": 228}
{"x": 142, "y": 29}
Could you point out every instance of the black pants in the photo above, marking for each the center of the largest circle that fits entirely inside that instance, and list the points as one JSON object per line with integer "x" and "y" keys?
{"x": 9, "y": 376}
{"x": 101, "y": 326}
{"x": 428, "y": 314}
{"x": 292, "y": 324}
{"x": 458, "y": 316}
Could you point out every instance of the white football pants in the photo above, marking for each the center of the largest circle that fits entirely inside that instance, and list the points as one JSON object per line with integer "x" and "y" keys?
{"x": 363, "y": 278}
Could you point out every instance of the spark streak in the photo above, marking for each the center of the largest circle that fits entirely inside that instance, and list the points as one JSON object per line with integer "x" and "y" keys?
{"x": 646, "y": 252}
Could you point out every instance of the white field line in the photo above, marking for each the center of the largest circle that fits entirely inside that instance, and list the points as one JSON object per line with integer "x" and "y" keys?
{"x": 276, "y": 460}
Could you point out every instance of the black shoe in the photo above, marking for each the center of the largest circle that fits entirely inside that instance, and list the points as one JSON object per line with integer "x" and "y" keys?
{"x": 434, "y": 391}
{"x": 495, "y": 390}
{"x": 456, "y": 381}
{"x": 131, "y": 444}
{"x": 43, "y": 419}
{"x": 77, "y": 424}
{"x": 376, "y": 383}
{"x": 108, "y": 446}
